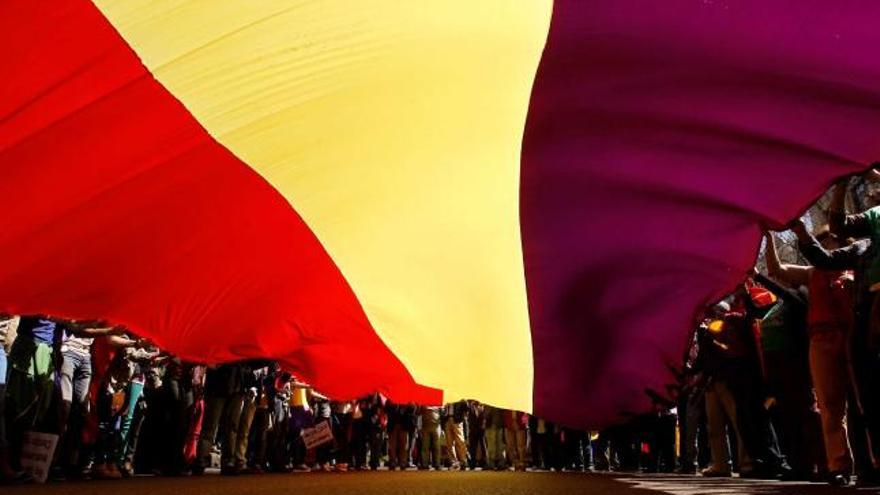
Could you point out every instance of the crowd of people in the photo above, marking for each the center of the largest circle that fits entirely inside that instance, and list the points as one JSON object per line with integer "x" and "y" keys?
{"x": 778, "y": 381}
{"x": 780, "y": 378}
{"x": 120, "y": 406}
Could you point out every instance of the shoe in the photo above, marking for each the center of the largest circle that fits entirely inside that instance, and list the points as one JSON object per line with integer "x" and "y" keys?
{"x": 341, "y": 467}
{"x": 302, "y": 468}
{"x": 106, "y": 472}
{"x": 326, "y": 467}
{"x": 198, "y": 470}
{"x": 839, "y": 479}
{"x": 114, "y": 472}
{"x": 712, "y": 473}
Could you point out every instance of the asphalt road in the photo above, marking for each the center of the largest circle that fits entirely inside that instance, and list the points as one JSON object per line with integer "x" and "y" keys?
{"x": 432, "y": 483}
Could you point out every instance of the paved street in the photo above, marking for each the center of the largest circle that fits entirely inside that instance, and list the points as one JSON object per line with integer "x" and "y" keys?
{"x": 433, "y": 483}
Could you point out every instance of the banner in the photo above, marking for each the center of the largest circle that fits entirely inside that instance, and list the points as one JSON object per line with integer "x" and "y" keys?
{"x": 37, "y": 453}
{"x": 317, "y": 435}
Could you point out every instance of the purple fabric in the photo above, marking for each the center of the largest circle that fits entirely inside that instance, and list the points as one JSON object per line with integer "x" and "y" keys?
{"x": 661, "y": 134}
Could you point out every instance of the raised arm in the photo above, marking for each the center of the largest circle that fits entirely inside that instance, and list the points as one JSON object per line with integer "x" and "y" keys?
{"x": 91, "y": 330}
{"x": 791, "y": 275}
{"x": 841, "y": 224}
{"x": 845, "y": 258}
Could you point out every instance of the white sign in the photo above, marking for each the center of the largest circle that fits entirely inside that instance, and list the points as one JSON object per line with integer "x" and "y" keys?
{"x": 317, "y": 435}
{"x": 37, "y": 453}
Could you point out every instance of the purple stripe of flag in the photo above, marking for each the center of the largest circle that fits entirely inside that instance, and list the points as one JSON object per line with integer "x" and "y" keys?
{"x": 661, "y": 134}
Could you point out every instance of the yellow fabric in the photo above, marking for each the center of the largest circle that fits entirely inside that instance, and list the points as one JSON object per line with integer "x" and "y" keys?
{"x": 394, "y": 128}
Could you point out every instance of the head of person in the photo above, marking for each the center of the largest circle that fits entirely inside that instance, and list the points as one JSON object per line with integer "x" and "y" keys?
{"x": 828, "y": 239}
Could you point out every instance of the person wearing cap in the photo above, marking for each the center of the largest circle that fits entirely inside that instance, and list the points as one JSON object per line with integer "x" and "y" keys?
{"x": 717, "y": 364}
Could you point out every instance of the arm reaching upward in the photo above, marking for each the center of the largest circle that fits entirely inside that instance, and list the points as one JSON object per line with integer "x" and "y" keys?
{"x": 792, "y": 275}
{"x": 841, "y": 224}
{"x": 845, "y": 258}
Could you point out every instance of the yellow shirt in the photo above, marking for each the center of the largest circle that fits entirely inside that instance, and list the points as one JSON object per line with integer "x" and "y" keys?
{"x": 299, "y": 398}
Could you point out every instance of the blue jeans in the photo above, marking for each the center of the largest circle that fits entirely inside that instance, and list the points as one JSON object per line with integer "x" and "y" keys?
{"x": 74, "y": 377}
{"x": 2, "y": 400}
{"x": 2, "y": 365}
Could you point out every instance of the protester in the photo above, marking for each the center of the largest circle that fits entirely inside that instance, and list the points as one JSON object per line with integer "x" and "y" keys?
{"x": 777, "y": 381}
{"x": 830, "y": 323}
{"x": 455, "y": 417}
{"x": 516, "y": 426}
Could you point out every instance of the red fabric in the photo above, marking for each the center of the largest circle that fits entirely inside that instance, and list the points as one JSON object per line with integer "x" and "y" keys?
{"x": 117, "y": 204}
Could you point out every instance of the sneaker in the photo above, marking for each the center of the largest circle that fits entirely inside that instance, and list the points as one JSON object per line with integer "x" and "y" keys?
{"x": 302, "y": 468}
{"x": 839, "y": 479}
{"x": 713, "y": 473}
{"x": 114, "y": 472}
{"x": 106, "y": 472}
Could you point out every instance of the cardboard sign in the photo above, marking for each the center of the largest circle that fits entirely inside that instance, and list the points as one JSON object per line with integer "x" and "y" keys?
{"x": 317, "y": 435}
{"x": 37, "y": 453}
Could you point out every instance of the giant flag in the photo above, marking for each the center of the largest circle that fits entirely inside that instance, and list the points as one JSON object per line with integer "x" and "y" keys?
{"x": 522, "y": 202}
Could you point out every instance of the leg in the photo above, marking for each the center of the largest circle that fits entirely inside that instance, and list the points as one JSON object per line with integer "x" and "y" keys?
{"x": 6, "y": 470}
{"x": 79, "y": 407}
{"x": 436, "y": 449}
{"x": 135, "y": 388}
{"x": 249, "y": 408}
{"x": 449, "y": 426}
{"x": 491, "y": 432}
{"x": 717, "y": 430}
{"x": 404, "y": 450}
{"x": 830, "y": 378}
{"x": 425, "y": 450}
{"x": 521, "y": 450}
{"x": 729, "y": 406}
{"x": 460, "y": 443}
{"x": 65, "y": 404}
{"x": 210, "y": 425}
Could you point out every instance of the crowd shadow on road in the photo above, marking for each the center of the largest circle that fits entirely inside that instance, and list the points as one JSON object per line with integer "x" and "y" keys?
{"x": 695, "y": 485}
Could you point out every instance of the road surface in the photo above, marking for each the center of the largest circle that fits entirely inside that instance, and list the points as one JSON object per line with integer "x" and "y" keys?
{"x": 431, "y": 483}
